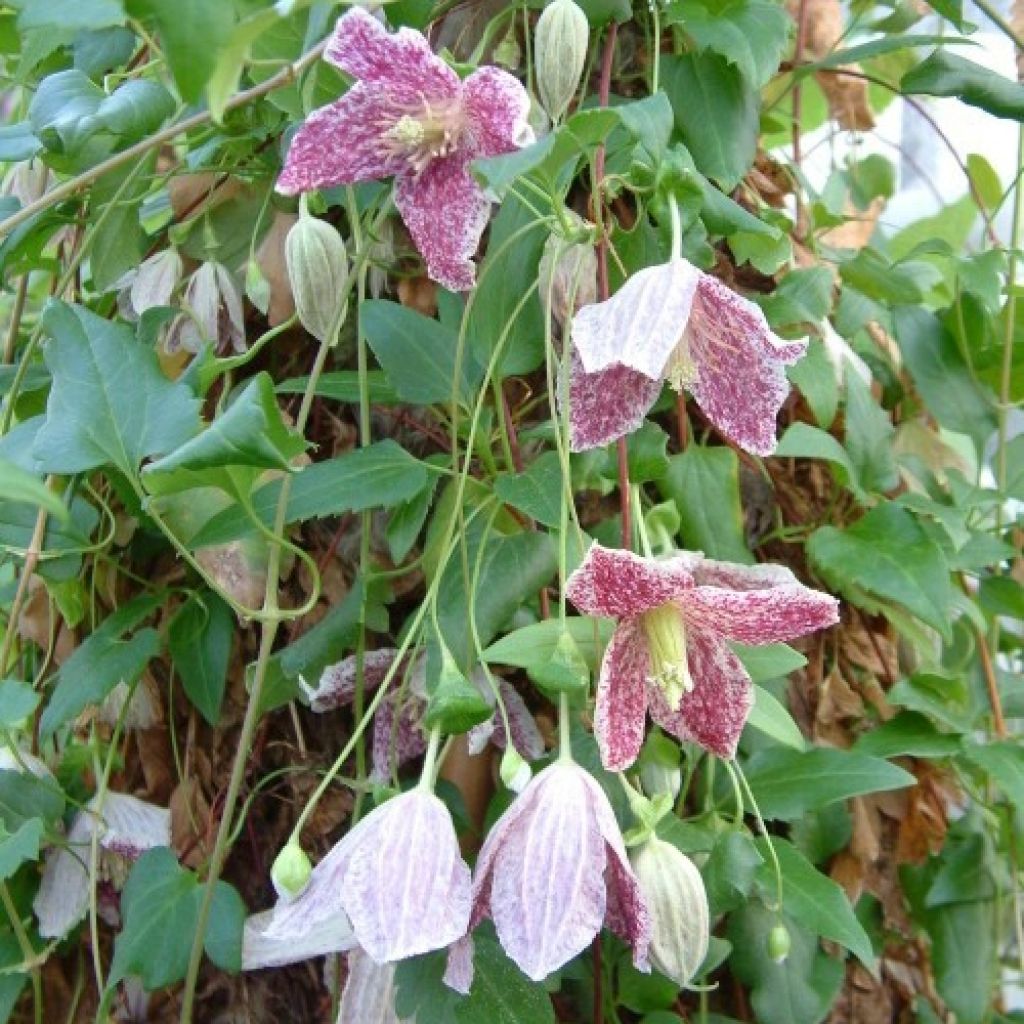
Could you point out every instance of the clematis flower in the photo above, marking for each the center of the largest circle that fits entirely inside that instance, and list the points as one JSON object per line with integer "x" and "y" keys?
{"x": 408, "y": 115}
{"x": 675, "y": 323}
{"x": 551, "y": 872}
{"x": 128, "y": 827}
{"x": 397, "y": 728}
{"x": 397, "y": 878}
{"x": 369, "y": 993}
{"x": 669, "y": 652}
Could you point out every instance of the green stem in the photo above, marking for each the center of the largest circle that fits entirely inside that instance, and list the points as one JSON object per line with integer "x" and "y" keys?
{"x": 735, "y": 770}
{"x": 28, "y": 954}
{"x": 564, "y": 731}
{"x": 426, "y": 782}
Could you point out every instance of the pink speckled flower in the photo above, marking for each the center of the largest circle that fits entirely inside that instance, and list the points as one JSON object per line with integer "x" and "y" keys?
{"x": 669, "y": 652}
{"x": 672, "y": 322}
{"x": 398, "y": 878}
{"x": 552, "y": 871}
{"x": 398, "y": 734}
{"x": 409, "y": 115}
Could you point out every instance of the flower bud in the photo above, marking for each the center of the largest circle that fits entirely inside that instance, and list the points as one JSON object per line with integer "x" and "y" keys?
{"x": 779, "y": 943}
{"x": 678, "y": 905}
{"x": 317, "y": 268}
{"x": 560, "y": 49}
{"x": 152, "y": 284}
{"x": 658, "y": 778}
{"x": 27, "y": 181}
{"x": 566, "y": 277}
{"x": 515, "y": 772}
{"x": 291, "y": 871}
{"x": 216, "y": 304}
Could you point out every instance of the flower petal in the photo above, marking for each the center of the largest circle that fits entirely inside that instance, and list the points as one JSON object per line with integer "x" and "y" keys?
{"x": 331, "y": 935}
{"x": 408, "y": 891}
{"x": 458, "y": 974}
{"x": 760, "y": 616}
{"x": 621, "y": 712}
{"x": 497, "y": 108}
{"x": 369, "y": 993}
{"x": 617, "y": 583}
{"x": 709, "y": 572}
{"x": 446, "y": 212}
{"x": 526, "y": 737}
{"x": 641, "y": 324}
{"x": 741, "y": 383}
{"x": 548, "y": 897}
{"x": 63, "y": 897}
{"x": 342, "y": 143}
{"x": 713, "y": 713}
{"x": 606, "y": 405}
{"x": 402, "y": 61}
{"x": 396, "y": 741}
{"x": 337, "y": 685}
{"x": 132, "y": 826}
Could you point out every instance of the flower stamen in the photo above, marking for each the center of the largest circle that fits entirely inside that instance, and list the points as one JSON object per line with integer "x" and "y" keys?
{"x": 666, "y": 636}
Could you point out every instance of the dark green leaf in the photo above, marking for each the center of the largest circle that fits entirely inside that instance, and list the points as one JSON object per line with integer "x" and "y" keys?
{"x": 77, "y": 15}
{"x": 17, "y": 701}
{"x": 1004, "y": 761}
{"x": 768, "y": 661}
{"x": 199, "y": 640}
{"x": 532, "y": 646}
{"x": 20, "y": 846}
{"x": 25, "y": 798}
{"x": 343, "y": 386}
{"x": 729, "y": 872}
{"x": 18, "y": 485}
{"x": 815, "y": 376}
{"x": 869, "y": 438}
{"x": 802, "y": 441}
{"x": 946, "y": 74}
{"x": 909, "y": 734}
{"x": 18, "y": 142}
{"x": 537, "y": 491}
{"x": 1002, "y": 595}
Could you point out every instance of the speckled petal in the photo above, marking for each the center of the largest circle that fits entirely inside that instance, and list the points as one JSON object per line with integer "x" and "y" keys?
{"x": 760, "y": 616}
{"x": 446, "y": 212}
{"x": 132, "y": 826}
{"x": 458, "y": 974}
{"x": 641, "y": 324}
{"x": 741, "y": 383}
{"x": 369, "y": 993}
{"x": 526, "y": 737}
{"x": 714, "y": 712}
{"x": 617, "y": 583}
{"x": 337, "y": 685}
{"x": 608, "y": 404}
{"x": 342, "y": 143}
{"x": 408, "y": 892}
{"x": 333, "y": 934}
{"x": 708, "y": 572}
{"x": 401, "y": 740}
{"x": 401, "y": 62}
{"x": 621, "y": 712}
{"x": 497, "y": 107}
{"x": 548, "y": 897}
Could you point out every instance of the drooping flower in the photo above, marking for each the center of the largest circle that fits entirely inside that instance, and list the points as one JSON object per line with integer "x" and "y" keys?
{"x": 552, "y": 871}
{"x": 149, "y": 285}
{"x": 669, "y": 651}
{"x": 398, "y": 734}
{"x": 408, "y": 115}
{"x": 215, "y": 301}
{"x": 398, "y": 878}
{"x": 675, "y": 323}
{"x": 369, "y": 993}
{"x": 127, "y": 827}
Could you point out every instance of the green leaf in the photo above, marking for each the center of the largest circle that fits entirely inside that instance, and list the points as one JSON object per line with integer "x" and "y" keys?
{"x": 886, "y": 555}
{"x": 18, "y": 142}
{"x": 768, "y": 661}
{"x": 815, "y": 376}
{"x": 881, "y": 46}
{"x": 705, "y": 485}
{"x": 199, "y": 639}
{"x": 224, "y": 79}
{"x": 62, "y": 541}
{"x": 869, "y": 438}
{"x": 729, "y": 872}
{"x": 537, "y": 491}
{"x": 802, "y": 297}
{"x": 946, "y": 74}
{"x": 25, "y": 798}
{"x": 802, "y": 441}
{"x": 20, "y": 846}
{"x": 110, "y": 403}
{"x": 1004, "y": 761}
{"x": 817, "y": 902}
{"x": 101, "y": 662}
{"x": 383, "y": 474}
{"x": 1002, "y": 595}
{"x": 909, "y": 734}
{"x": 17, "y": 701}
{"x": 788, "y": 783}
{"x": 716, "y": 112}
{"x": 343, "y": 386}
{"x": 531, "y": 647}
{"x": 941, "y": 376}
{"x": 250, "y": 433}
{"x": 192, "y": 33}
{"x": 770, "y": 717}
{"x": 944, "y": 698}
{"x": 751, "y": 34}
{"x": 417, "y": 353}
{"x": 76, "y": 15}
{"x": 645, "y": 450}
{"x": 18, "y": 485}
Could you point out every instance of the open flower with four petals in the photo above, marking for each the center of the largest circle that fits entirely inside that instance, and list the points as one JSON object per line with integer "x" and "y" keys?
{"x": 675, "y": 323}
{"x": 670, "y": 653}
{"x": 408, "y": 115}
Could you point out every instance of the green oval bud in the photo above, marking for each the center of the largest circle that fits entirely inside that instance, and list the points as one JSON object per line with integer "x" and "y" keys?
{"x": 779, "y": 943}
{"x": 560, "y": 51}
{"x": 566, "y": 277}
{"x": 317, "y": 264}
{"x": 515, "y": 772}
{"x": 678, "y": 905}
{"x": 291, "y": 870}
{"x": 659, "y": 778}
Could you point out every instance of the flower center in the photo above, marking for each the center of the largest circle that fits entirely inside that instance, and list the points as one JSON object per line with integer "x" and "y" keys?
{"x": 681, "y": 370}
{"x": 666, "y": 640}
{"x": 425, "y": 133}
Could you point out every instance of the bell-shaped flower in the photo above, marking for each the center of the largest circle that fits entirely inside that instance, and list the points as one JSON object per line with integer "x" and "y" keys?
{"x": 217, "y": 316}
{"x": 408, "y": 115}
{"x": 126, "y": 828}
{"x": 398, "y": 733}
{"x": 674, "y": 323}
{"x": 669, "y": 652}
{"x": 369, "y": 993}
{"x": 552, "y": 871}
{"x": 397, "y": 878}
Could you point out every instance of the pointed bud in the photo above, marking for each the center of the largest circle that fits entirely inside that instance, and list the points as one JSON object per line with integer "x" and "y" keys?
{"x": 454, "y": 704}
{"x": 678, "y": 906}
{"x": 515, "y": 772}
{"x": 565, "y": 671}
{"x": 560, "y": 50}
{"x": 779, "y": 943}
{"x": 567, "y": 277}
{"x": 317, "y": 269}
{"x": 291, "y": 871}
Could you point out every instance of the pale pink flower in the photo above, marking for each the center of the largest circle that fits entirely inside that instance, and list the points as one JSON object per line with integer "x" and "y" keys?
{"x": 552, "y": 871}
{"x": 398, "y": 732}
{"x": 669, "y": 652}
{"x": 397, "y": 878}
{"x": 408, "y": 115}
{"x": 675, "y": 323}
